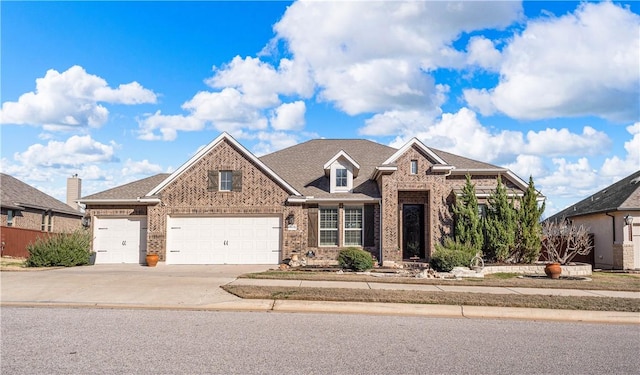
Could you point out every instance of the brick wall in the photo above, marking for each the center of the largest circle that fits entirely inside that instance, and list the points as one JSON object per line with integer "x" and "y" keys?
{"x": 32, "y": 219}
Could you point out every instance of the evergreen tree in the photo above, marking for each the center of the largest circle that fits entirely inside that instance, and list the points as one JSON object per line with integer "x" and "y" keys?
{"x": 529, "y": 228}
{"x": 500, "y": 225}
{"x": 468, "y": 223}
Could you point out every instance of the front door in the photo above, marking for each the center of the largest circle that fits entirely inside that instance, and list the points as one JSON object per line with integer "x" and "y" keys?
{"x": 413, "y": 231}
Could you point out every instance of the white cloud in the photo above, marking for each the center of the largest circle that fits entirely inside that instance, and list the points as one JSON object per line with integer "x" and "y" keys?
{"x": 622, "y": 167}
{"x": 289, "y": 116}
{"x": 569, "y": 179}
{"x": 71, "y": 99}
{"x": 167, "y": 125}
{"x": 482, "y": 52}
{"x": 527, "y": 165}
{"x": 144, "y": 167}
{"x": 580, "y": 64}
{"x": 273, "y": 141}
{"x": 555, "y": 142}
{"x": 75, "y": 151}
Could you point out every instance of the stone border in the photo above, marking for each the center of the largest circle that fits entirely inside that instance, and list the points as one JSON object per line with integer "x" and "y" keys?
{"x": 573, "y": 269}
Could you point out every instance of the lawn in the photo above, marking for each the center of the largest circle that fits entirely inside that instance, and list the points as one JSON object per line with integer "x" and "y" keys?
{"x": 437, "y": 298}
{"x": 629, "y": 282}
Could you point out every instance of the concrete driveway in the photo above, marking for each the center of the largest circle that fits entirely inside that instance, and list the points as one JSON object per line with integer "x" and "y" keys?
{"x": 125, "y": 284}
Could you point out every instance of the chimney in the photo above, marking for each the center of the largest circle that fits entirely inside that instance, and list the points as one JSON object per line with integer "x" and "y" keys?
{"x": 74, "y": 185}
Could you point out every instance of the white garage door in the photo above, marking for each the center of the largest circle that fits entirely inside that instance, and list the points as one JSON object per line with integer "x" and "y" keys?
{"x": 223, "y": 240}
{"x": 120, "y": 240}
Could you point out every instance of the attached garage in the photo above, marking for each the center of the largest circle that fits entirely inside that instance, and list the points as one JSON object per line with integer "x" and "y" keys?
{"x": 223, "y": 240}
{"x": 120, "y": 240}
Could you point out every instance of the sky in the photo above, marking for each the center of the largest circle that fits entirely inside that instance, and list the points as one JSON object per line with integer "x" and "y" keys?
{"x": 118, "y": 91}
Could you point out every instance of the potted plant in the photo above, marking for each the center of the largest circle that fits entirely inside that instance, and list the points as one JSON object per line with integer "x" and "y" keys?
{"x": 561, "y": 242}
{"x": 152, "y": 259}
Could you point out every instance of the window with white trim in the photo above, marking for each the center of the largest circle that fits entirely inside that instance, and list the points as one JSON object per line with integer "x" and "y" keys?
{"x": 226, "y": 180}
{"x": 353, "y": 226}
{"x": 328, "y": 226}
{"x": 341, "y": 177}
{"x": 414, "y": 167}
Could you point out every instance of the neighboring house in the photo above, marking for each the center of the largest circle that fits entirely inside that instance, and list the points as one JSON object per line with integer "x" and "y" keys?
{"x": 23, "y": 206}
{"x": 227, "y": 206}
{"x": 613, "y": 216}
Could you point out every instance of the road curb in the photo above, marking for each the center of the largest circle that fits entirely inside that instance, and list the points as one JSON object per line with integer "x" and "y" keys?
{"x": 370, "y": 308}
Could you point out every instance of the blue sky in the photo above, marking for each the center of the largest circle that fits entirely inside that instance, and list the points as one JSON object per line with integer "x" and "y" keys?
{"x": 117, "y": 91}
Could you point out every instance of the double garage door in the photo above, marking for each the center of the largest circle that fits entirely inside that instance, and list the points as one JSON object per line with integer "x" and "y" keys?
{"x": 223, "y": 240}
{"x": 120, "y": 240}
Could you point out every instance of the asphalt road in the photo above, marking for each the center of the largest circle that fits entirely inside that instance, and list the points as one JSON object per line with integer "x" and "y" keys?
{"x": 102, "y": 341}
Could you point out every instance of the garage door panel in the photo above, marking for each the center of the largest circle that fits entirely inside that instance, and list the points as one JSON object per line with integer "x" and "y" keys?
{"x": 223, "y": 240}
{"x": 120, "y": 240}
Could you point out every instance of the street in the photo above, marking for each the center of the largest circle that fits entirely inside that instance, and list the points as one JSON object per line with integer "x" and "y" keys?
{"x": 110, "y": 341}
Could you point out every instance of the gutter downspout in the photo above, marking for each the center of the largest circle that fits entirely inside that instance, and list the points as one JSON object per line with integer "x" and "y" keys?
{"x": 613, "y": 225}
{"x": 381, "y": 261}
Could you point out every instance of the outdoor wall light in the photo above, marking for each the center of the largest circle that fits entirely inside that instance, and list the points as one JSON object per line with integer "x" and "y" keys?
{"x": 628, "y": 220}
{"x": 290, "y": 219}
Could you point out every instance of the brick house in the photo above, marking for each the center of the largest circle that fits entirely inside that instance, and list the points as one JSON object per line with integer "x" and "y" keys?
{"x": 23, "y": 206}
{"x": 227, "y": 206}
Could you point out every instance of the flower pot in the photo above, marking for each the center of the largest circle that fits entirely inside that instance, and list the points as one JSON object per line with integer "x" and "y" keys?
{"x": 553, "y": 270}
{"x": 152, "y": 260}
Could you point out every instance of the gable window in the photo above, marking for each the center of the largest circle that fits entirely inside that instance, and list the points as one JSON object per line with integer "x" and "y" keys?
{"x": 10, "y": 216}
{"x": 328, "y": 226}
{"x": 341, "y": 177}
{"x": 414, "y": 167}
{"x": 226, "y": 180}
{"x": 353, "y": 226}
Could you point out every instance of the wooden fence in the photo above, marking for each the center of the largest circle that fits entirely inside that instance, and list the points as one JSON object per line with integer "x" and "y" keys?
{"x": 16, "y": 240}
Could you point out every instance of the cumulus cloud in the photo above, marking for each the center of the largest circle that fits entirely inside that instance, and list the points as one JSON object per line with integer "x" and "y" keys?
{"x": 75, "y": 151}
{"x": 482, "y": 52}
{"x": 71, "y": 99}
{"x": 144, "y": 167}
{"x": 621, "y": 167}
{"x": 581, "y": 64}
{"x": 555, "y": 142}
{"x": 289, "y": 116}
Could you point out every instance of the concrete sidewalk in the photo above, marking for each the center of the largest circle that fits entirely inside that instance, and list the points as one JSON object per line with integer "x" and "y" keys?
{"x": 198, "y": 288}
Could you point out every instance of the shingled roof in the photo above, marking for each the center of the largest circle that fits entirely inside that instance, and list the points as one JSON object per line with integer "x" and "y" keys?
{"x": 132, "y": 190}
{"x": 17, "y": 195}
{"x": 302, "y": 165}
{"x": 623, "y": 195}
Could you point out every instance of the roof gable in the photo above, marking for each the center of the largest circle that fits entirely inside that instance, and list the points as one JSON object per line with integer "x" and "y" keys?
{"x": 345, "y": 156}
{"x": 221, "y": 138}
{"x": 415, "y": 142}
{"x": 18, "y": 195}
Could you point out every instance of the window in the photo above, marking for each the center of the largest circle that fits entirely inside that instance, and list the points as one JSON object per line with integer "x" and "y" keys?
{"x": 414, "y": 167}
{"x": 353, "y": 226}
{"x": 226, "y": 179}
{"x": 10, "y": 215}
{"x": 328, "y": 226}
{"x": 341, "y": 177}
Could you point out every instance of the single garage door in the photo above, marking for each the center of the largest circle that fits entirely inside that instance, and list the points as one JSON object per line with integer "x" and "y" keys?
{"x": 223, "y": 240}
{"x": 120, "y": 240}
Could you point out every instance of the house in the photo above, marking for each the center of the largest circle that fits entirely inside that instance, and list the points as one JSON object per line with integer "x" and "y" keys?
{"x": 227, "y": 206}
{"x": 23, "y": 206}
{"x": 613, "y": 216}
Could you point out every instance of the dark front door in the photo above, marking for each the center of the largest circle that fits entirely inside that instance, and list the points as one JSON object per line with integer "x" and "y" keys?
{"x": 413, "y": 231}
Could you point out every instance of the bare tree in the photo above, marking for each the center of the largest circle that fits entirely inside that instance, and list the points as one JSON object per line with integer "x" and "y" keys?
{"x": 562, "y": 241}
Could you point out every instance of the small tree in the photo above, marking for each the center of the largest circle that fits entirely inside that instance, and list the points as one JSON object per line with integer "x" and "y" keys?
{"x": 562, "y": 241}
{"x": 500, "y": 225}
{"x": 468, "y": 223}
{"x": 528, "y": 236}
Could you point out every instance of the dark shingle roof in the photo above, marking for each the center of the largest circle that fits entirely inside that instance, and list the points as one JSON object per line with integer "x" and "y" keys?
{"x": 622, "y": 195}
{"x": 16, "y": 194}
{"x": 302, "y": 165}
{"x": 461, "y": 162}
{"x": 132, "y": 190}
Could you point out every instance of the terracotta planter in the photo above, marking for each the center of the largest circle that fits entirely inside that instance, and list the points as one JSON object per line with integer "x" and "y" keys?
{"x": 553, "y": 270}
{"x": 152, "y": 260}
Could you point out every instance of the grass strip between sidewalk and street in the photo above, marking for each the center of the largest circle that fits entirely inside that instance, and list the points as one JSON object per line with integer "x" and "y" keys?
{"x": 435, "y": 298}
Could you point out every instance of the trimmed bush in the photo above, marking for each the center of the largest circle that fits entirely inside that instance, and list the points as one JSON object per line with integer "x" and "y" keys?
{"x": 451, "y": 254}
{"x": 355, "y": 259}
{"x": 66, "y": 250}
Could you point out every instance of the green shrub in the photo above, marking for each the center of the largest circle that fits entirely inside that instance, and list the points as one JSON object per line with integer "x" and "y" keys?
{"x": 67, "y": 250}
{"x": 355, "y": 259}
{"x": 451, "y": 254}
